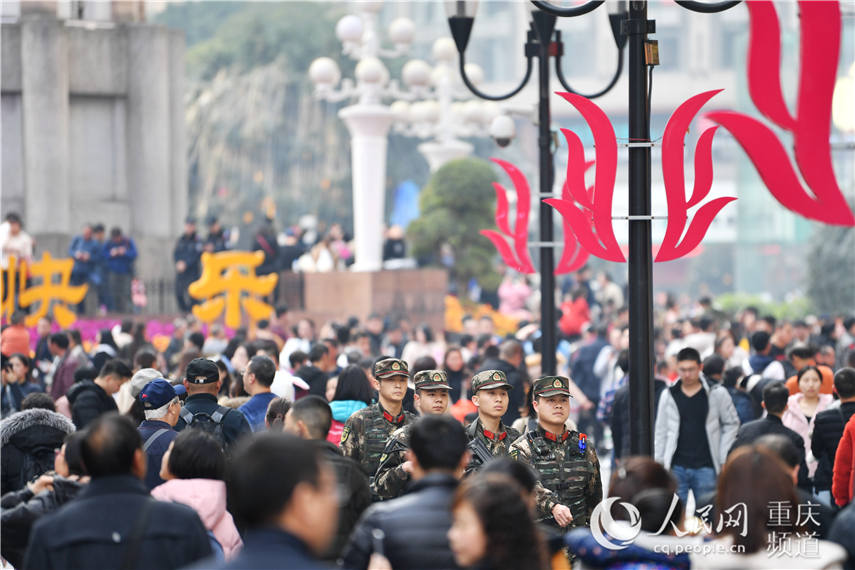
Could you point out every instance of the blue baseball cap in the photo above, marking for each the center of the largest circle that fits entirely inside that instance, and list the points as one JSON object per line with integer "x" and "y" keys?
{"x": 158, "y": 393}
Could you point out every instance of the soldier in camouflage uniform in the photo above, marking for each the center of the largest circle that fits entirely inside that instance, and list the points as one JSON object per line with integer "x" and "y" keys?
{"x": 366, "y": 431}
{"x": 488, "y": 436}
{"x": 570, "y": 485}
{"x": 431, "y": 398}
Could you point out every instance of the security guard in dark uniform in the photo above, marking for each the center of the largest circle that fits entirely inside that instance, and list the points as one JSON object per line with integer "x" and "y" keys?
{"x": 570, "y": 485}
{"x": 431, "y": 398}
{"x": 366, "y": 431}
{"x": 488, "y": 436}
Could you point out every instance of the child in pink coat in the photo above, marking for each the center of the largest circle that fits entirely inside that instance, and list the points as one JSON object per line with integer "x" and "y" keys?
{"x": 194, "y": 467}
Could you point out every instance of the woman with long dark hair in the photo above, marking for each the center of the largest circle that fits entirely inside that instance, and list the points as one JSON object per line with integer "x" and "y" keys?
{"x": 352, "y": 393}
{"x": 19, "y": 385}
{"x": 493, "y": 527}
{"x": 455, "y": 370}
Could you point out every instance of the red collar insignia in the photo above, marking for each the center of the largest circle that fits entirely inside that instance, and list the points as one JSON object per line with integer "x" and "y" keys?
{"x": 552, "y": 437}
{"x": 495, "y": 436}
{"x": 392, "y": 419}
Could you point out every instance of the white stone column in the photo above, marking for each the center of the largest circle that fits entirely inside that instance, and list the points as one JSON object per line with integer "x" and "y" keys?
{"x": 44, "y": 93}
{"x": 438, "y": 153}
{"x": 369, "y": 128}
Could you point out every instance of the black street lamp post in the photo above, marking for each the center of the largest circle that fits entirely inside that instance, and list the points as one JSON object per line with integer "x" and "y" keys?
{"x": 543, "y": 42}
{"x": 633, "y": 26}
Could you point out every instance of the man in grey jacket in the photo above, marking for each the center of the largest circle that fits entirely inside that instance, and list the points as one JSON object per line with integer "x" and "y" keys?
{"x": 695, "y": 426}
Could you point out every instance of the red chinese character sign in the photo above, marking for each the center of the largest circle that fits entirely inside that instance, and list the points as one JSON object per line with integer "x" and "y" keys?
{"x": 228, "y": 282}
{"x": 587, "y": 212}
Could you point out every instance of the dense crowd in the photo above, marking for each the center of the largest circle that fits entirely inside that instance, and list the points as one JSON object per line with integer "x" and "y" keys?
{"x": 384, "y": 444}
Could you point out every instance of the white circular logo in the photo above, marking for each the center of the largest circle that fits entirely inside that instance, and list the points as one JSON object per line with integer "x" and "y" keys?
{"x": 611, "y": 534}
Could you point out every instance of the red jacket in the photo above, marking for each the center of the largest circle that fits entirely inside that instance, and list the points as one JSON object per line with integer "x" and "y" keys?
{"x": 844, "y": 465}
{"x": 574, "y": 315}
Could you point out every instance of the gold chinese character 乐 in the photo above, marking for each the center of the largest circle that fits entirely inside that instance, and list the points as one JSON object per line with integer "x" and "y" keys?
{"x": 229, "y": 282}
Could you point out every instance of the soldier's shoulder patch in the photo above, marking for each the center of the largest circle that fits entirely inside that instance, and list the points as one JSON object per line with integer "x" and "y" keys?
{"x": 345, "y": 433}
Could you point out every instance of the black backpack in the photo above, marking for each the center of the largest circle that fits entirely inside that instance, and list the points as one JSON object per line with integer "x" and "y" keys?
{"x": 210, "y": 423}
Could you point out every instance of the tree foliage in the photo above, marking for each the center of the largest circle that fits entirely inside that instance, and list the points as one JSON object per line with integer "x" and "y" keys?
{"x": 831, "y": 273}
{"x": 456, "y": 204}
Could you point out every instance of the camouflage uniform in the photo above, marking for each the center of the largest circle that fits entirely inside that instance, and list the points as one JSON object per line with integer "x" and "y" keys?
{"x": 497, "y": 444}
{"x": 568, "y": 466}
{"x": 391, "y": 479}
{"x": 365, "y": 433}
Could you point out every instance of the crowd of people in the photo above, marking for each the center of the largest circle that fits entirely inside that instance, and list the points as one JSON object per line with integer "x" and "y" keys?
{"x": 380, "y": 443}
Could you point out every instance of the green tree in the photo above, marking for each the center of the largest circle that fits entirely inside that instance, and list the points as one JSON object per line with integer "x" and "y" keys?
{"x": 831, "y": 266}
{"x": 456, "y": 204}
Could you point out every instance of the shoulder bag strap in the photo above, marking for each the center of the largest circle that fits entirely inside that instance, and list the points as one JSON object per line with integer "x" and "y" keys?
{"x": 152, "y": 438}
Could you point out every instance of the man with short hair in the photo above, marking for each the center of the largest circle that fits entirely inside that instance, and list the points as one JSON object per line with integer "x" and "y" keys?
{"x": 310, "y": 418}
{"x": 63, "y": 366}
{"x": 365, "y": 432}
{"x": 187, "y": 255}
{"x": 161, "y": 405}
{"x": 775, "y": 398}
{"x": 202, "y": 382}
{"x": 762, "y": 362}
{"x": 86, "y": 252}
{"x": 828, "y": 429}
{"x": 415, "y": 526}
{"x": 257, "y": 379}
{"x": 314, "y": 373}
{"x": 431, "y": 398}
{"x": 92, "y": 398}
{"x": 282, "y": 492}
{"x": 114, "y": 522}
{"x": 803, "y": 355}
{"x": 487, "y": 433}
{"x": 570, "y": 485}
{"x": 510, "y": 361}
{"x": 696, "y": 425}
{"x": 119, "y": 254}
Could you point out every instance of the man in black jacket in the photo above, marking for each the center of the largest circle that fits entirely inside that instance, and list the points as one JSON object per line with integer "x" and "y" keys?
{"x": 828, "y": 429}
{"x": 92, "y": 398}
{"x": 114, "y": 522}
{"x": 315, "y": 372}
{"x": 775, "y": 397}
{"x": 201, "y": 408}
{"x": 510, "y": 362}
{"x": 310, "y": 418}
{"x": 413, "y": 528}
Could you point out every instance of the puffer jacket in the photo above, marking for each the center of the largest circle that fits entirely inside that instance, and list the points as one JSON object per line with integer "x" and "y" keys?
{"x": 208, "y": 498}
{"x": 21, "y": 510}
{"x": 795, "y": 419}
{"x": 353, "y": 484}
{"x": 721, "y": 425}
{"x": 415, "y": 528}
{"x": 27, "y": 443}
{"x": 341, "y": 410}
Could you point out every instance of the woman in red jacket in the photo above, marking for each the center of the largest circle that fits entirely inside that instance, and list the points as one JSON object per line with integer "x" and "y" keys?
{"x": 844, "y": 465}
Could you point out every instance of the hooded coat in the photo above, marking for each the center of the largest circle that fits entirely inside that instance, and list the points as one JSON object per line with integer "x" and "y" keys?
{"x": 208, "y": 498}
{"x": 27, "y": 443}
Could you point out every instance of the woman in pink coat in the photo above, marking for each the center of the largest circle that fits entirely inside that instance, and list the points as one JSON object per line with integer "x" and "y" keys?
{"x": 194, "y": 467}
{"x": 803, "y": 407}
